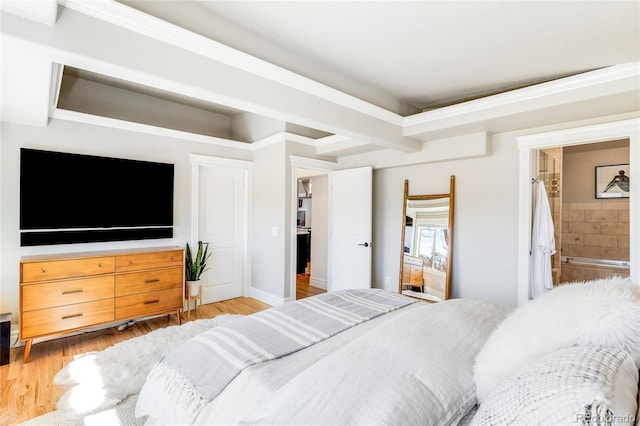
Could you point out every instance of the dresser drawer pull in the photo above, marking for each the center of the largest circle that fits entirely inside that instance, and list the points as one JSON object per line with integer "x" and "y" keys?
{"x": 155, "y": 280}
{"x": 149, "y": 302}
{"x": 71, "y": 316}
{"x": 72, "y": 291}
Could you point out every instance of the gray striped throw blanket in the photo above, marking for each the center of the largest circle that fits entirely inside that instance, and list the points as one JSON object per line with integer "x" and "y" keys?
{"x": 196, "y": 372}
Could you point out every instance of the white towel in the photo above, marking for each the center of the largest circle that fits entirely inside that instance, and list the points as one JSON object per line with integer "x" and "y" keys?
{"x": 543, "y": 245}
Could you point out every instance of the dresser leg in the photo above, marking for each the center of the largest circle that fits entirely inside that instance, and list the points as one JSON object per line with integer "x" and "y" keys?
{"x": 179, "y": 316}
{"x": 27, "y": 350}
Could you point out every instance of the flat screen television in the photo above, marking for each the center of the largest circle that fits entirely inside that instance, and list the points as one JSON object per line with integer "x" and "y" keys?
{"x": 70, "y": 198}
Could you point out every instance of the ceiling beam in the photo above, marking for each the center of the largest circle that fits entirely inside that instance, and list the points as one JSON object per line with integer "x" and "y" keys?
{"x": 25, "y": 85}
{"x": 88, "y": 43}
{"x": 43, "y": 11}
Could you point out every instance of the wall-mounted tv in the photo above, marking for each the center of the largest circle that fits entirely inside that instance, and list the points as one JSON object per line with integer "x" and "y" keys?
{"x": 70, "y": 198}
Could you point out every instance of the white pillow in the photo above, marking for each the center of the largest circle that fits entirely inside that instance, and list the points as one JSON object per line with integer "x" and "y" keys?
{"x": 568, "y": 386}
{"x": 603, "y": 313}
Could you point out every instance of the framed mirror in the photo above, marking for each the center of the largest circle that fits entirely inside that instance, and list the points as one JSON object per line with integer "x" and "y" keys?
{"x": 426, "y": 246}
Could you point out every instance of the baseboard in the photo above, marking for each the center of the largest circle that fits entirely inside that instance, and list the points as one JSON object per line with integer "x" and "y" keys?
{"x": 265, "y": 297}
{"x": 316, "y": 282}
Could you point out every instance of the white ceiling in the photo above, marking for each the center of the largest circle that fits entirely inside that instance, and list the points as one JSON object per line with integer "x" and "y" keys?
{"x": 422, "y": 54}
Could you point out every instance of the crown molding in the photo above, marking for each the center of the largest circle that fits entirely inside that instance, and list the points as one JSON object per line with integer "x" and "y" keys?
{"x": 150, "y": 26}
{"x": 581, "y": 135}
{"x": 614, "y": 79}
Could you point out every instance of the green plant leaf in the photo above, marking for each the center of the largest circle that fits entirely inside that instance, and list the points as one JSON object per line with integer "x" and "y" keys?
{"x": 194, "y": 268}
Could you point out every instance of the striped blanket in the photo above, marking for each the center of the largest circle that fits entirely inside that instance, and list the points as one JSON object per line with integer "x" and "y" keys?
{"x": 196, "y": 372}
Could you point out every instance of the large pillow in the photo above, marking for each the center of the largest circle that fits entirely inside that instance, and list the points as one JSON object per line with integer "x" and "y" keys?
{"x": 574, "y": 385}
{"x": 604, "y": 313}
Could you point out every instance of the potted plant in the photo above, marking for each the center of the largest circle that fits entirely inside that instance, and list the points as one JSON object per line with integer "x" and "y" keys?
{"x": 194, "y": 267}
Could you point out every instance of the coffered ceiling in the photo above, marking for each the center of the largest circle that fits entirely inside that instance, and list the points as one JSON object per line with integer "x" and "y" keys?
{"x": 357, "y": 76}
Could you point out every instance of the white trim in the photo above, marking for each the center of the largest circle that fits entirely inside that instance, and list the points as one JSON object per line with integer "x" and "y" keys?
{"x": 267, "y": 298}
{"x": 581, "y": 135}
{"x": 315, "y": 282}
{"x": 221, "y": 161}
{"x": 529, "y": 144}
{"x": 526, "y": 94}
{"x": 150, "y": 26}
{"x": 96, "y": 120}
{"x": 56, "y": 83}
{"x": 312, "y": 164}
{"x": 247, "y": 168}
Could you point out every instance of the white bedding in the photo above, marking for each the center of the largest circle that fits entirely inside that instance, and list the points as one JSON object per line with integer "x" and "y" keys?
{"x": 411, "y": 366}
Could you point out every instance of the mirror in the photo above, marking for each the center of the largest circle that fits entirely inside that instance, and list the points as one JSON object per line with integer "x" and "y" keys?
{"x": 426, "y": 247}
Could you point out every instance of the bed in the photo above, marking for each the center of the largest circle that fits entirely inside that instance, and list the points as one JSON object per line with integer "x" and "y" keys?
{"x": 412, "y": 363}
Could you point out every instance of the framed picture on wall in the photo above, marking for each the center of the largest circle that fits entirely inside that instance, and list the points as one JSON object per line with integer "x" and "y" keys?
{"x": 612, "y": 181}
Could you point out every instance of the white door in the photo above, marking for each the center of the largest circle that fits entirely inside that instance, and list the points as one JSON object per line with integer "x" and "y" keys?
{"x": 222, "y": 222}
{"x": 351, "y": 229}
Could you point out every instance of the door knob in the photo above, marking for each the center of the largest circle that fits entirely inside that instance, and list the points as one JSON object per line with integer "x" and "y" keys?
{"x": 364, "y": 244}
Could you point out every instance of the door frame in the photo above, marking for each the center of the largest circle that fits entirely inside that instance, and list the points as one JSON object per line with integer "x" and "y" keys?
{"x": 198, "y": 160}
{"x": 310, "y": 164}
{"x": 528, "y": 145}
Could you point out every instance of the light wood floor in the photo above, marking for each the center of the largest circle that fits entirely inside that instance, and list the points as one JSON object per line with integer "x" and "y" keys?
{"x": 27, "y": 390}
{"x": 303, "y": 289}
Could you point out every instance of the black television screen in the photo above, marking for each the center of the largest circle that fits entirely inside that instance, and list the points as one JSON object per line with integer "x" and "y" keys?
{"x": 68, "y": 198}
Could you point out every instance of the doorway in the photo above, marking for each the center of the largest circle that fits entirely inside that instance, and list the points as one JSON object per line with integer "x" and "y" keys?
{"x": 530, "y": 144}
{"x": 591, "y": 224}
{"x": 312, "y": 232}
{"x": 348, "y": 229}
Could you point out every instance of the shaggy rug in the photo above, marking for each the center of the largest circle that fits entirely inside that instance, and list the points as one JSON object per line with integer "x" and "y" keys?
{"x": 105, "y": 384}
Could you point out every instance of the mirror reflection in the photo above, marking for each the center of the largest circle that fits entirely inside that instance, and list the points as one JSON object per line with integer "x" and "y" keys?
{"x": 426, "y": 245}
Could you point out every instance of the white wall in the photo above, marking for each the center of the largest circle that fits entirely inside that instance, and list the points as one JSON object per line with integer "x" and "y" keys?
{"x": 485, "y": 220}
{"x": 86, "y": 139}
{"x": 269, "y": 211}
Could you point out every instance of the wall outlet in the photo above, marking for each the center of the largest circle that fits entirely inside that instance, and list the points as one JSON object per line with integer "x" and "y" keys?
{"x": 274, "y": 231}
{"x": 387, "y": 283}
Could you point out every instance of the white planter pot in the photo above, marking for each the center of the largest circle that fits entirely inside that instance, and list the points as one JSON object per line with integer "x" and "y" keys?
{"x": 194, "y": 288}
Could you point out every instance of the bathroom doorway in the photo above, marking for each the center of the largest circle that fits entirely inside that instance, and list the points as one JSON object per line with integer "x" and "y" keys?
{"x": 588, "y": 190}
{"x": 528, "y": 145}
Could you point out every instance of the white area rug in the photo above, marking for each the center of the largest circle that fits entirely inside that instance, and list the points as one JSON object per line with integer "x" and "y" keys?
{"x": 106, "y": 384}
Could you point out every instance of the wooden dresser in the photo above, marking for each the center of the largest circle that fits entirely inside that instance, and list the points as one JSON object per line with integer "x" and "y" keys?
{"x": 412, "y": 271}
{"x": 64, "y": 293}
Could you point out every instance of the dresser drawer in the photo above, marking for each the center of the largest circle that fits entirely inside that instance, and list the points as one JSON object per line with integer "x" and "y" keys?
{"x": 63, "y": 269}
{"x": 412, "y": 260}
{"x": 416, "y": 276}
{"x": 141, "y": 282}
{"x": 55, "y": 320}
{"x": 160, "y": 259}
{"x": 138, "y": 305}
{"x": 68, "y": 292}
